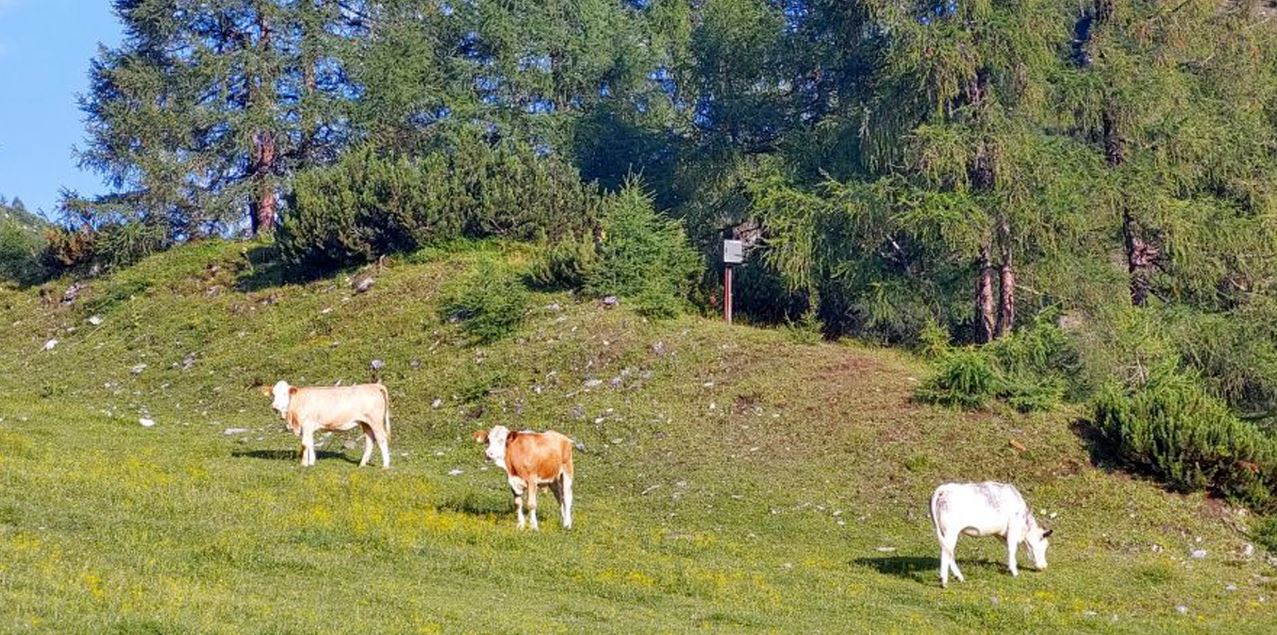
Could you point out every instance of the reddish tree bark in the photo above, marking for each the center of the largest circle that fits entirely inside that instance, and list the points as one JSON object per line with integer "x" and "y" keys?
{"x": 265, "y": 148}
{"x": 986, "y": 316}
{"x": 1006, "y": 282}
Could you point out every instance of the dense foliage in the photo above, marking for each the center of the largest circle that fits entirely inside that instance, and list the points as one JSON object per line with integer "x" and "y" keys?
{"x": 1171, "y": 427}
{"x": 489, "y": 303}
{"x": 20, "y": 242}
{"x": 367, "y": 204}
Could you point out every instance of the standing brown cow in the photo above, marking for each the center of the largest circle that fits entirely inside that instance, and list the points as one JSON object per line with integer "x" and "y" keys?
{"x": 530, "y": 460}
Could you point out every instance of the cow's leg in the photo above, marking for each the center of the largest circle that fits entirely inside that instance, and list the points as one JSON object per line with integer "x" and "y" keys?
{"x": 532, "y": 505}
{"x": 949, "y": 547}
{"x": 308, "y": 445}
{"x": 1013, "y": 543}
{"x": 384, "y": 445}
{"x": 567, "y": 501}
{"x": 368, "y": 443}
{"x": 516, "y": 485}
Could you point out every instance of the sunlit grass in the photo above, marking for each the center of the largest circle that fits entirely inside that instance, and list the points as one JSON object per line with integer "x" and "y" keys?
{"x": 731, "y": 480}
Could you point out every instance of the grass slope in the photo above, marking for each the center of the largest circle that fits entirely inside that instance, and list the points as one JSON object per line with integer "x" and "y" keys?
{"x": 731, "y": 479}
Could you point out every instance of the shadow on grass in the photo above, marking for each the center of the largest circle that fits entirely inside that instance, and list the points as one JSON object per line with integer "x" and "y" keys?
{"x": 1100, "y": 451}
{"x": 289, "y": 455}
{"x": 264, "y": 271}
{"x": 922, "y": 568}
{"x": 479, "y": 505}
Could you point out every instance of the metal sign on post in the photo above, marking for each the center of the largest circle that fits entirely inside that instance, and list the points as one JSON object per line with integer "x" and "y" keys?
{"x": 733, "y": 254}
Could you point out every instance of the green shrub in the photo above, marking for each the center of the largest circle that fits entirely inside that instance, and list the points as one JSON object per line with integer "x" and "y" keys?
{"x": 367, "y": 205}
{"x": 489, "y": 303}
{"x": 566, "y": 264}
{"x": 1027, "y": 369}
{"x": 807, "y": 329}
{"x": 657, "y": 303}
{"x": 1265, "y": 531}
{"x": 964, "y": 377}
{"x": 20, "y": 249}
{"x": 1170, "y": 426}
{"x": 642, "y": 252}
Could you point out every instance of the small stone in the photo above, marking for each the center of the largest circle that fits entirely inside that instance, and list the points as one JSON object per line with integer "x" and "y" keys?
{"x": 593, "y": 383}
{"x": 326, "y": 311}
{"x": 578, "y": 411}
{"x": 1156, "y": 548}
{"x": 137, "y": 370}
{"x": 50, "y": 345}
{"x": 658, "y": 348}
{"x": 1089, "y": 614}
{"x": 618, "y": 441}
{"x": 615, "y": 383}
{"x": 1182, "y": 610}
{"x": 787, "y": 565}
{"x": 234, "y": 431}
{"x": 436, "y": 403}
{"x": 454, "y": 472}
{"x": 886, "y": 549}
{"x": 1198, "y": 554}
{"x": 1248, "y": 550}
{"x": 610, "y": 301}
{"x": 1230, "y": 587}
{"x": 96, "y": 320}
{"x": 598, "y": 420}
{"x": 146, "y": 422}
{"x": 377, "y": 364}
{"x": 414, "y": 364}
{"x": 553, "y": 307}
{"x": 362, "y": 284}
{"x": 580, "y": 446}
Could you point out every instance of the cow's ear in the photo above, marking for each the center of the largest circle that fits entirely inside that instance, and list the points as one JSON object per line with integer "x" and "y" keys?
{"x": 513, "y": 434}
{"x": 480, "y": 436}
{"x": 292, "y": 390}
{"x": 1047, "y": 533}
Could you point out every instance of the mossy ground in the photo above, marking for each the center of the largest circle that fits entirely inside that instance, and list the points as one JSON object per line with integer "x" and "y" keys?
{"x": 732, "y": 479}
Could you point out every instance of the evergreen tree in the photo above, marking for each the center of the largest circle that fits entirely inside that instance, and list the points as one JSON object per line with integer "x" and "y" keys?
{"x": 206, "y": 106}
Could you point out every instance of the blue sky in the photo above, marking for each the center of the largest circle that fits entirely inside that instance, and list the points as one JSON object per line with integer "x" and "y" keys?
{"x": 45, "y": 49}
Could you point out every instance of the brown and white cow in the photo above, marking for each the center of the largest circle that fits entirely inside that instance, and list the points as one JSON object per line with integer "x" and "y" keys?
{"x": 530, "y": 460}
{"x": 335, "y": 408}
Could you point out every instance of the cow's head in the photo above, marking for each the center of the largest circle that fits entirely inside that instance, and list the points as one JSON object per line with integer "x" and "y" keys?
{"x": 1037, "y": 540}
{"x": 496, "y": 438}
{"x": 281, "y": 394}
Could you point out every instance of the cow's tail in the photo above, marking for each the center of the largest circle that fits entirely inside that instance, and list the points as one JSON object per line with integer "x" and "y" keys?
{"x": 385, "y": 400}
{"x": 935, "y": 514}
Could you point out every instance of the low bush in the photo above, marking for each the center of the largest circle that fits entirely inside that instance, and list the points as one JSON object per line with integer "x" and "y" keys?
{"x": 489, "y": 303}
{"x": 1027, "y": 369}
{"x": 566, "y": 264}
{"x": 1170, "y": 426}
{"x": 964, "y": 377}
{"x": 367, "y": 205}
{"x": 1265, "y": 531}
{"x": 20, "y": 249}
{"x": 642, "y": 253}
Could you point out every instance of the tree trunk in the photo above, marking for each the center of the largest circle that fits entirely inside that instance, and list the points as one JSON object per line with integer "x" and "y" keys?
{"x": 261, "y": 98}
{"x": 1006, "y": 282}
{"x": 265, "y": 203}
{"x": 986, "y": 318}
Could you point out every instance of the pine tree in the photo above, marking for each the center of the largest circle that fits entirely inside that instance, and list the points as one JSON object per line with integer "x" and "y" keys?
{"x": 205, "y": 107}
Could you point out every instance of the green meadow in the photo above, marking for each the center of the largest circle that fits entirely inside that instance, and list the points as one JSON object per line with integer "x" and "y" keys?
{"x": 729, "y": 478}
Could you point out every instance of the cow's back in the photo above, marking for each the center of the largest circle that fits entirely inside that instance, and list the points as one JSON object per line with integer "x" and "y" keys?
{"x": 986, "y": 507}
{"x": 542, "y": 455}
{"x": 361, "y": 402}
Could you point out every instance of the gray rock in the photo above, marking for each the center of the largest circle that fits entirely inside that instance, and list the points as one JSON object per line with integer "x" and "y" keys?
{"x": 137, "y": 370}
{"x": 234, "y": 431}
{"x": 610, "y": 301}
{"x": 96, "y": 320}
{"x": 436, "y": 403}
{"x": 377, "y": 364}
{"x": 593, "y": 383}
{"x": 1198, "y": 554}
{"x": 362, "y": 284}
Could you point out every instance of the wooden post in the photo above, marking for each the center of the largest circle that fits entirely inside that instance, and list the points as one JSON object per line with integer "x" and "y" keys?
{"x": 727, "y": 293}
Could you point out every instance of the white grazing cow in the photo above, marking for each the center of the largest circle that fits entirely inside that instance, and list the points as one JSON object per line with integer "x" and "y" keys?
{"x": 985, "y": 509}
{"x": 314, "y": 408}
{"x": 530, "y": 460}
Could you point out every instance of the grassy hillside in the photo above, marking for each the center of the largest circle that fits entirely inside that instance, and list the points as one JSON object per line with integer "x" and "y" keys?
{"x": 731, "y": 479}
